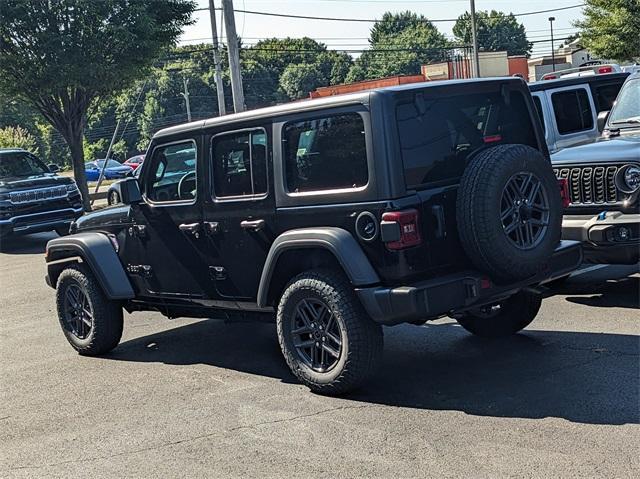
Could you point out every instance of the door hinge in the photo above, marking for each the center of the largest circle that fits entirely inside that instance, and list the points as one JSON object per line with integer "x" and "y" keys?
{"x": 143, "y": 270}
{"x": 138, "y": 230}
{"x": 218, "y": 273}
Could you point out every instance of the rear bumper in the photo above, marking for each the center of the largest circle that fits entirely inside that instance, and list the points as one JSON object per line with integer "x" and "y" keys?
{"x": 42, "y": 221}
{"x": 458, "y": 292}
{"x": 610, "y": 237}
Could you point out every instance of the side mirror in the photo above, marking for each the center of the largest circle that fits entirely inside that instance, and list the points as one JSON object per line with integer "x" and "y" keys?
{"x": 130, "y": 191}
{"x": 602, "y": 120}
{"x": 53, "y": 168}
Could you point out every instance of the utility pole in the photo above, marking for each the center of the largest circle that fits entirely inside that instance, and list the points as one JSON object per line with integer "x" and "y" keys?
{"x": 185, "y": 94}
{"x": 553, "y": 53}
{"x": 234, "y": 56}
{"x": 474, "y": 39}
{"x": 216, "y": 60}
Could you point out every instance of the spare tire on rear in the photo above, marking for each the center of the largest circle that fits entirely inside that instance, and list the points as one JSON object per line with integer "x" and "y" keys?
{"x": 509, "y": 212}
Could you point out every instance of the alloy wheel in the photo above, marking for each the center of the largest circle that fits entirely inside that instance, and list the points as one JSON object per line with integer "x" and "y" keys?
{"x": 317, "y": 335}
{"x": 78, "y": 314}
{"x": 524, "y": 210}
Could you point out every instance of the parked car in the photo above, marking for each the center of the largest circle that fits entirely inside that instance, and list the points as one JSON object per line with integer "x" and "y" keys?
{"x": 569, "y": 107}
{"x": 586, "y": 70}
{"x": 113, "y": 170}
{"x": 33, "y": 197}
{"x": 604, "y": 184}
{"x": 335, "y": 216}
{"x": 134, "y": 162}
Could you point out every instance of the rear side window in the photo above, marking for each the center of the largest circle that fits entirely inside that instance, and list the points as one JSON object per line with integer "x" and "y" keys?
{"x": 240, "y": 164}
{"x": 325, "y": 153}
{"x": 438, "y": 135}
{"x": 605, "y": 95}
{"x": 538, "y": 104}
{"x": 572, "y": 111}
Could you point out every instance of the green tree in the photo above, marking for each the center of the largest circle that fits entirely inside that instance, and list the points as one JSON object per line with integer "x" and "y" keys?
{"x": 17, "y": 137}
{"x": 496, "y": 32}
{"x": 299, "y": 79}
{"x": 611, "y": 29}
{"x": 400, "y": 44}
{"x": 64, "y": 55}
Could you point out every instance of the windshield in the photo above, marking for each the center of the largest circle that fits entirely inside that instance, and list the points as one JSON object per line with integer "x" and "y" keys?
{"x": 110, "y": 164}
{"x": 627, "y": 107}
{"x": 20, "y": 163}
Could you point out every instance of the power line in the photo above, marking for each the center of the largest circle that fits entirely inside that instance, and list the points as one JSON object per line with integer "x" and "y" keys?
{"x": 368, "y": 20}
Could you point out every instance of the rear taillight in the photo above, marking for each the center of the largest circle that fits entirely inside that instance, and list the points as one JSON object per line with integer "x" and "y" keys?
{"x": 492, "y": 138}
{"x": 564, "y": 192}
{"x": 605, "y": 69}
{"x": 549, "y": 77}
{"x": 407, "y": 231}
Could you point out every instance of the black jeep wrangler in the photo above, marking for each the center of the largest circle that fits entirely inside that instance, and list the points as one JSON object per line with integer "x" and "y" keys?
{"x": 336, "y": 216}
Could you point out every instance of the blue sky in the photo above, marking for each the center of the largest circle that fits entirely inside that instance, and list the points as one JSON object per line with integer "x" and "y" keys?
{"x": 353, "y": 35}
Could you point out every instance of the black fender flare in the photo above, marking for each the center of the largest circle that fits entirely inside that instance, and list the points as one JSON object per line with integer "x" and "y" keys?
{"x": 338, "y": 241}
{"x": 94, "y": 249}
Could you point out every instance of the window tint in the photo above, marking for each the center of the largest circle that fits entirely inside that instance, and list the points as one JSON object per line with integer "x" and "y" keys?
{"x": 606, "y": 95}
{"x": 325, "y": 153}
{"x": 438, "y": 135}
{"x": 538, "y": 105}
{"x": 572, "y": 111}
{"x": 240, "y": 164}
{"x": 173, "y": 172}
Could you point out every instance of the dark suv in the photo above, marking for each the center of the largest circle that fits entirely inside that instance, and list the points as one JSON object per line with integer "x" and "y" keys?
{"x": 33, "y": 197}
{"x": 336, "y": 216}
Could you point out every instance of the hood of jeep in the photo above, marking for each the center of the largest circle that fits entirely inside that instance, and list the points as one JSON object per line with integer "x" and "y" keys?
{"x": 604, "y": 150}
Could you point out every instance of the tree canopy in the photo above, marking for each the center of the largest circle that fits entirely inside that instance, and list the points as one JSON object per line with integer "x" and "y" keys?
{"x": 611, "y": 29}
{"x": 400, "y": 44}
{"x": 496, "y": 31}
{"x": 62, "y": 55}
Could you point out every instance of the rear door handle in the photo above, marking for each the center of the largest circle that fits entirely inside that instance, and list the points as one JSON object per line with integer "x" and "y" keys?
{"x": 252, "y": 225}
{"x": 192, "y": 228}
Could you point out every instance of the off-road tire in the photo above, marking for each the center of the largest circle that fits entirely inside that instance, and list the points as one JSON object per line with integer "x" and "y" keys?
{"x": 478, "y": 212}
{"x": 362, "y": 338}
{"x": 516, "y": 313}
{"x": 106, "y": 330}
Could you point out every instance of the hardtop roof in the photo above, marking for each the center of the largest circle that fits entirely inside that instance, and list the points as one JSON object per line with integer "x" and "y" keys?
{"x": 542, "y": 85}
{"x": 362, "y": 97}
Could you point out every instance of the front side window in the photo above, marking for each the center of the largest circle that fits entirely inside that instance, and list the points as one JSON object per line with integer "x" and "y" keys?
{"x": 173, "y": 172}
{"x": 21, "y": 164}
{"x": 240, "y": 164}
{"x": 572, "y": 111}
{"x": 325, "y": 153}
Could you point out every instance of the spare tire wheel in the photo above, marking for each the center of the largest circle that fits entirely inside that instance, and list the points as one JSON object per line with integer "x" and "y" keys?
{"x": 509, "y": 212}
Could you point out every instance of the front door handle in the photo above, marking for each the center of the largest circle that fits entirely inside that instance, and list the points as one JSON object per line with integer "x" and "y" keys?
{"x": 192, "y": 228}
{"x": 252, "y": 225}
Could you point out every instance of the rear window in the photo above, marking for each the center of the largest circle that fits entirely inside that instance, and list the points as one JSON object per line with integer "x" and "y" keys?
{"x": 572, "y": 111}
{"x": 438, "y": 135}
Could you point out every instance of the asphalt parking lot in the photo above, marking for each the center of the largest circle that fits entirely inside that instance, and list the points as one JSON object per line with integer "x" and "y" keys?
{"x": 187, "y": 398}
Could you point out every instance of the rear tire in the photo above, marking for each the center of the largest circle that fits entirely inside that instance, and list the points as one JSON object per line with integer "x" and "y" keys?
{"x": 504, "y": 318}
{"x": 90, "y": 321}
{"x": 327, "y": 339}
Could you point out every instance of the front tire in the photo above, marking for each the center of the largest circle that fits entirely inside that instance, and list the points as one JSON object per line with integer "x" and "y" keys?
{"x": 90, "y": 321}
{"x": 502, "y": 319}
{"x": 327, "y": 339}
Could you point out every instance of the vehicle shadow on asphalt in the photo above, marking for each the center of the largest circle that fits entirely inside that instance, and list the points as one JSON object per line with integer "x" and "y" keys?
{"x": 623, "y": 293}
{"x": 580, "y": 377}
{"x": 26, "y": 244}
